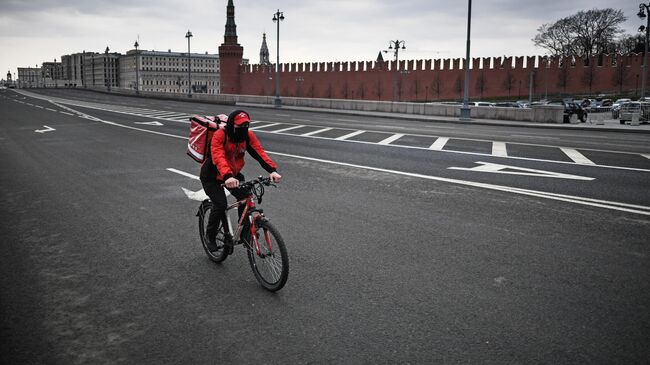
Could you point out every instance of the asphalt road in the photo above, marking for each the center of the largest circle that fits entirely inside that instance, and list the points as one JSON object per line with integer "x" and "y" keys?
{"x": 409, "y": 242}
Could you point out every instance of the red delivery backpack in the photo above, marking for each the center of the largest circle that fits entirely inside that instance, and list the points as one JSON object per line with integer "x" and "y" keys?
{"x": 201, "y": 131}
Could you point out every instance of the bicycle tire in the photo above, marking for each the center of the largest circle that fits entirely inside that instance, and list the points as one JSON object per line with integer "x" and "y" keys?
{"x": 271, "y": 271}
{"x": 204, "y": 213}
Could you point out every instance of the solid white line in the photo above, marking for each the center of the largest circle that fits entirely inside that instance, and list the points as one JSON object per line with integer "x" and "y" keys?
{"x": 316, "y": 132}
{"x": 576, "y": 156}
{"x": 183, "y": 173}
{"x": 288, "y": 129}
{"x": 264, "y": 126}
{"x": 439, "y": 143}
{"x": 567, "y": 198}
{"x": 390, "y": 139}
{"x": 499, "y": 149}
{"x": 350, "y": 135}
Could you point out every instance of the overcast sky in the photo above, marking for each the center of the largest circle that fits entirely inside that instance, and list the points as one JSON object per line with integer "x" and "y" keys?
{"x": 34, "y": 31}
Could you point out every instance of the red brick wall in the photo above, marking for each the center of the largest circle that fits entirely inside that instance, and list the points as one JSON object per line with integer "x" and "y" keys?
{"x": 443, "y": 79}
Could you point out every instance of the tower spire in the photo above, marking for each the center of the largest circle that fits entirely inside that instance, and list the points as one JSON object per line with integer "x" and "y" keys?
{"x": 230, "y": 37}
{"x": 264, "y": 52}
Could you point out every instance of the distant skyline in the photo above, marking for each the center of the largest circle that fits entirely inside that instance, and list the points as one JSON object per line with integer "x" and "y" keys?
{"x": 37, "y": 31}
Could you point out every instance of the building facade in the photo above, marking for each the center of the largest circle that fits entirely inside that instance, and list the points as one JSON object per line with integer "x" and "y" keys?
{"x": 29, "y": 77}
{"x": 73, "y": 69}
{"x": 101, "y": 69}
{"x": 167, "y": 72}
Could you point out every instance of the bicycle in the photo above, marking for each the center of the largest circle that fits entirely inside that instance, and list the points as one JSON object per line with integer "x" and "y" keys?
{"x": 268, "y": 257}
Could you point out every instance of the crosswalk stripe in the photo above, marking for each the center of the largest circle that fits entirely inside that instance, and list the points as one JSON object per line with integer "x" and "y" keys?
{"x": 264, "y": 126}
{"x": 576, "y": 156}
{"x": 316, "y": 132}
{"x": 392, "y": 138}
{"x": 350, "y": 135}
{"x": 499, "y": 149}
{"x": 288, "y": 129}
{"x": 439, "y": 143}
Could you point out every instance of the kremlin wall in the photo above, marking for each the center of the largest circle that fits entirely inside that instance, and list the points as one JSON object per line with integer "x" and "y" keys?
{"x": 437, "y": 80}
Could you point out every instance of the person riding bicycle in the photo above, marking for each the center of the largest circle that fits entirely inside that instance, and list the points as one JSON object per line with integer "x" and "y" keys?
{"x": 223, "y": 166}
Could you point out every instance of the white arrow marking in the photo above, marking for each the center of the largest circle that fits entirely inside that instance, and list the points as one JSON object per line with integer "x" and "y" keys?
{"x": 195, "y": 195}
{"x": 150, "y": 123}
{"x": 47, "y": 129}
{"x": 514, "y": 170}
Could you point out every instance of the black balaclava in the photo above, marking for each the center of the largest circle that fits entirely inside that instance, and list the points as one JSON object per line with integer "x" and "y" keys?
{"x": 240, "y": 134}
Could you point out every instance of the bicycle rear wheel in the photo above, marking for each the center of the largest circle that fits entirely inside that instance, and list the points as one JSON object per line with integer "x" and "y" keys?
{"x": 204, "y": 213}
{"x": 271, "y": 266}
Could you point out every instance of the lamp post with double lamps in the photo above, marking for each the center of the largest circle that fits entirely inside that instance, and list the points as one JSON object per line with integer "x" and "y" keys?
{"x": 277, "y": 17}
{"x": 397, "y": 43}
{"x": 137, "y": 76}
{"x": 188, "y": 35}
{"x": 643, "y": 8}
{"x": 465, "y": 110}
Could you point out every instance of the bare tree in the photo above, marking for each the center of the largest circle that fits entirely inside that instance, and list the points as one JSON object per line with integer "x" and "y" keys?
{"x": 583, "y": 34}
{"x": 630, "y": 44}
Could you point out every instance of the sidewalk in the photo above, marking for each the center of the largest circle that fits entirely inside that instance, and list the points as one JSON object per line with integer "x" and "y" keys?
{"x": 610, "y": 125}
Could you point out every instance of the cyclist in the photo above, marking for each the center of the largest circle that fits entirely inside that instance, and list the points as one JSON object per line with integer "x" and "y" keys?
{"x": 223, "y": 166}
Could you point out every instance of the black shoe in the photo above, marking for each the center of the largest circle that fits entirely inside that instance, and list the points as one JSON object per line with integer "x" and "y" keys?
{"x": 211, "y": 243}
{"x": 228, "y": 244}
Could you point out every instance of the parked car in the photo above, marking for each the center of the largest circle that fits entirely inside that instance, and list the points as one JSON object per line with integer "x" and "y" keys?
{"x": 508, "y": 104}
{"x": 571, "y": 108}
{"x": 616, "y": 107}
{"x": 642, "y": 108}
{"x": 523, "y": 103}
{"x": 480, "y": 103}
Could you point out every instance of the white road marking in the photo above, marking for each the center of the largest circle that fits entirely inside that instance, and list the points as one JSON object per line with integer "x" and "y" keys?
{"x": 47, "y": 129}
{"x": 439, "y": 143}
{"x": 576, "y": 156}
{"x": 283, "y": 115}
{"x": 50, "y": 109}
{"x": 300, "y": 120}
{"x": 264, "y": 126}
{"x": 345, "y": 120}
{"x": 150, "y": 123}
{"x": 288, "y": 129}
{"x": 515, "y": 170}
{"x": 646, "y": 155}
{"x": 499, "y": 149}
{"x": 38, "y": 106}
{"x": 630, "y": 208}
{"x": 316, "y": 132}
{"x": 187, "y": 174}
{"x": 349, "y": 135}
{"x": 66, "y": 113}
{"x": 390, "y": 139}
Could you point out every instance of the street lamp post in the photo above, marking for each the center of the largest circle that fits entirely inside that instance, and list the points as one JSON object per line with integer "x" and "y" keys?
{"x": 188, "y": 35}
{"x": 397, "y": 43}
{"x": 137, "y": 75}
{"x": 277, "y": 17}
{"x": 465, "y": 110}
{"x": 643, "y": 8}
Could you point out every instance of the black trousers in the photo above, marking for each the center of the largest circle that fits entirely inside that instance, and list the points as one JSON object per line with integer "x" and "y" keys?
{"x": 214, "y": 190}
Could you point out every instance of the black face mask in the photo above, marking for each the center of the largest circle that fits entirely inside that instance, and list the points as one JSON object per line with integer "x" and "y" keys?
{"x": 240, "y": 134}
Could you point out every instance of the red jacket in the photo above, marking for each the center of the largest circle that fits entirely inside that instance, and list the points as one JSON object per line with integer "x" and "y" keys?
{"x": 227, "y": 157}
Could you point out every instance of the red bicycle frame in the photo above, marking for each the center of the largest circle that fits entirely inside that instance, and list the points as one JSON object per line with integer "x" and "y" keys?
{"x": 255, "y": 214}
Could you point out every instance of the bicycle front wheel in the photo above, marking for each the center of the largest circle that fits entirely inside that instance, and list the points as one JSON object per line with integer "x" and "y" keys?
{"x": 204, "y": 214}
{"x": 271, "y": 265}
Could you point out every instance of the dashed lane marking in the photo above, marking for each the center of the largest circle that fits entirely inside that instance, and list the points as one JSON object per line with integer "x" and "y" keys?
{"x": 288, "y": 129}
{"x": 577, "y": 157}
{"x": 390, "y": 139}
{"x": 316, "y": 132}
{"x": 439, "y": 144}
{"x": 264, "y": 126}
{"x": 349, "y": 135}
{"x": 499, "y": 149}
